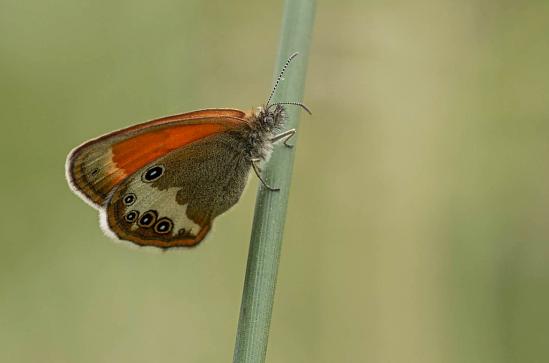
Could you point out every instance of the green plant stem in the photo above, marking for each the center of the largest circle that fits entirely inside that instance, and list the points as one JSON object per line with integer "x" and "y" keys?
{"x": 270, "y": 211}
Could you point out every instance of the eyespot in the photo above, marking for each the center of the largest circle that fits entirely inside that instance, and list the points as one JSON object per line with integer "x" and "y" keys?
{"x": 147, "y": 219}
{"x": 131, "y": 216}
{"x": 153, "y": 173}
{"x": 94, "y": 172}
{"x": 129, "y": 199}
{"x": 164, "y": 225}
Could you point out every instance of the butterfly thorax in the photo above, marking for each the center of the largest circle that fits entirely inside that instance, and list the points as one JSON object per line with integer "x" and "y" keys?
{"x": 264, "y": 123}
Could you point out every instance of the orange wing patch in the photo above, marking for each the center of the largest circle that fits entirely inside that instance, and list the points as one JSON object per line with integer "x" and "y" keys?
{"x": 132, "y": 154}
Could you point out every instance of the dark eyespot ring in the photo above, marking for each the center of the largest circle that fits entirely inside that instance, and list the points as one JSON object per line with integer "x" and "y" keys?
{"x": 131, "y": 216}
{"x": 147, "y": 219}
{"x": 164, "y": 225}
{"x": 94, "y": 172}
{"x": 153, "y": 173}
{"x": 129, "y": 199}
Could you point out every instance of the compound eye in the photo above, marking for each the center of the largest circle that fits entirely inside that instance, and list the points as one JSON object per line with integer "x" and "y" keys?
{"x": 153, "y": 173}
{"x": 269, "y": 119}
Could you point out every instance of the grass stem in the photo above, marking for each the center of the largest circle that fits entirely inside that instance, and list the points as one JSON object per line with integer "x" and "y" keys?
{"x": 270, "y": 211}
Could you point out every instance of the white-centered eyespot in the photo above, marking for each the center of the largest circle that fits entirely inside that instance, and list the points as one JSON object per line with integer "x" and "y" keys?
{"x": 129, "y": 199}
{"x": 147, "y": 219}
{"x": 131, "y": 216}
{"x": 164, "y": 225}
{"x": 153, "y": 173}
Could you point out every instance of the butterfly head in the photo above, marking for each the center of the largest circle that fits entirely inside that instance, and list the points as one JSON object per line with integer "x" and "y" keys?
{"x": 271, "y": 117}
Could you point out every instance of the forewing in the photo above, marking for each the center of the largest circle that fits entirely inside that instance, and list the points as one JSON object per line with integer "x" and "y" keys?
{"x": 172, "y": 201}
{"x": 96, "y": 167}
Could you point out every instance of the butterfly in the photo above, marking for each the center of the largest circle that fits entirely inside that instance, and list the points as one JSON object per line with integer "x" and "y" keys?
{"x": 162, "y": 183}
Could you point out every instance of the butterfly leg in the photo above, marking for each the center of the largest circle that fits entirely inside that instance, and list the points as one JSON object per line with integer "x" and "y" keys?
{"x": 286, "y": 135}
{"x": 256, "y": 170}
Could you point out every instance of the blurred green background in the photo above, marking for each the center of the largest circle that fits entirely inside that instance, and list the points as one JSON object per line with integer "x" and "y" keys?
{"x": 418, "y": 220}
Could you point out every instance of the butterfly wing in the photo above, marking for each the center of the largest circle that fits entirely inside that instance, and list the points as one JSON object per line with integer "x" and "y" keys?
{"x": 172, "y": 201}
{"x": 96, "y": 167}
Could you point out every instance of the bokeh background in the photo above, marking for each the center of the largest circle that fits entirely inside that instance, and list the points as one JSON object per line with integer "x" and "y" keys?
{"x": 417, "y": 228}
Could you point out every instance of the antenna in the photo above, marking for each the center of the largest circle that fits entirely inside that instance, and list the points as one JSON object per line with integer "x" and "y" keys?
{"x": 279, "y": 78}
{"x": 292, "y": 103}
